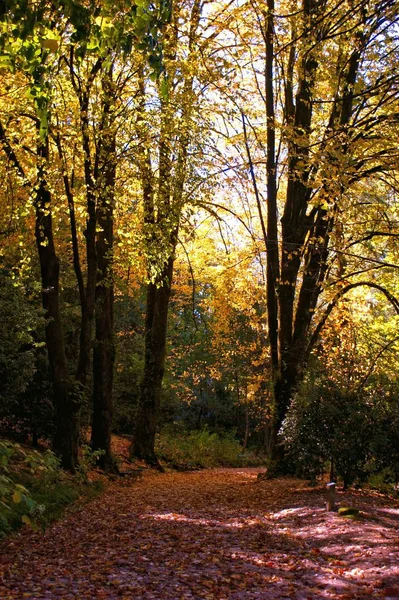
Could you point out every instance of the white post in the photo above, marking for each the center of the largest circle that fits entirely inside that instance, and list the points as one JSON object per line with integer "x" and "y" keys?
{"x": 330, "y": 496}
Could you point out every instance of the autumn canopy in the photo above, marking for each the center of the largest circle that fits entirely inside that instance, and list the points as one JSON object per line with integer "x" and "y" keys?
{"x": 199, "y": 227}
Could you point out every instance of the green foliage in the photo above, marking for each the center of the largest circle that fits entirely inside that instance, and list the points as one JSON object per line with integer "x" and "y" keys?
{"x": 358, "y": 431}
{"x": 201, "y": 449}
{"x": 384, "y": 481}
{"x": 126, "y": 388}
{"x": 384, "y": 444}
{"x": 17, "y": 360}
{"x": 129, "y": 358}
{"x": 31, "y": 32}
{"x": 17, "y": 504}
{"x": 25, "y": 404}
{"x": 33, "y": 489}
{"x": 88, "y": 459}
{"x": 324, "y": 424}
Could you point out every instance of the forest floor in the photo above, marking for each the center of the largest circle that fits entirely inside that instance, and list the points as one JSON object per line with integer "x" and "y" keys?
{"x": 215, "y": 534}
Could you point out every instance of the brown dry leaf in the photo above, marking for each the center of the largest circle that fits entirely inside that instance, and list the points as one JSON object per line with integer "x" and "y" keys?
{"x": 215, "y": 534}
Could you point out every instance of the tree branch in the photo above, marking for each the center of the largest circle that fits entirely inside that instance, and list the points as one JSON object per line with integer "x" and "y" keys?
{"x": 392, "y": 299}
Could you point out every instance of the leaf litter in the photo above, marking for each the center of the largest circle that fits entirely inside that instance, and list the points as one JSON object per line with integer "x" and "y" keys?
{"x": 218, "y": 535}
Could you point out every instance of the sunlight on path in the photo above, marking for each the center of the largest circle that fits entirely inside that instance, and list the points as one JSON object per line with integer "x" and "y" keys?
{"x": 211, "y": 534}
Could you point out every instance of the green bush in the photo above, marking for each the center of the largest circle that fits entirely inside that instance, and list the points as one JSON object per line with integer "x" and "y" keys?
{"x": 33, "y": 489}
{"x": 325, "y": 424}
{"x": 358, "y": 430}
{"x": 17, "y": 364}
{"x": 128, "y": 372}
{"x": 26, "y": 408}
{"x": 384, "y": 481}
{"x": 201, "y": 449}
{"x": 385, "y": 440}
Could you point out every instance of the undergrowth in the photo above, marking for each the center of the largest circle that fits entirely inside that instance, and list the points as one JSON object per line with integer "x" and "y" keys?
{"x": 34, "y": 490}
{"x": 384, "y": 481}
{"x": 183, "y": 449}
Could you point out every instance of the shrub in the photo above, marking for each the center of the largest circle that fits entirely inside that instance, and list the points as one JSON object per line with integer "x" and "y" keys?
{"x": 33, "y": 489}
{"x": 16, "y": 341}
{"x": 26, "y": 407}
{"x": 325, "y": 424}
{"x": 385, "y": 439}
{"x": 201, "y": 449}
{"x": 384, "y": 481}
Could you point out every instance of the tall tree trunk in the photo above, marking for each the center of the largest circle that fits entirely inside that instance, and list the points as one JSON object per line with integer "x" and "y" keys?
{"x": 294, "y": 229}
{"x": 87, "y": 289}
{"x": 104, "y": 347}
{"x": 271, "y": 241}
{"x": 154, "y": 366}
{"x": 104, "y": 350}
{"x": 66, "y": 394}
{"x": 66, "y": 397}
{"x": 88, "y": 299}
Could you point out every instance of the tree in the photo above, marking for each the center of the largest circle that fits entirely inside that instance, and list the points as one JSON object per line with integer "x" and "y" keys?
{"x": 271, "y": 123}
{"x": 164, "y": 196}
{"x": 56, "y": 42}
{"x": 215, "y": 335}
{"x": 29, "y": 51}
{"x": 329, "y": 119}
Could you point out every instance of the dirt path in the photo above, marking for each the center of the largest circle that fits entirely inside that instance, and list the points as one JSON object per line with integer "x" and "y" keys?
{"x": 212, "y": 534}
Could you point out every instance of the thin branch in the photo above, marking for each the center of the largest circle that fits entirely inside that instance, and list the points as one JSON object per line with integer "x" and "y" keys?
{"x": 373, "y": 364}
{"x": 391, "y": 298}
{"x": 253, "y": 178}
{"x": 193, "y": 283}
{"x": 12, "y": 157}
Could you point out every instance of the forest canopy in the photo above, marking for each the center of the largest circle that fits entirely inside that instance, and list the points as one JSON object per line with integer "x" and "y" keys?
{"x": 199, "y": 227}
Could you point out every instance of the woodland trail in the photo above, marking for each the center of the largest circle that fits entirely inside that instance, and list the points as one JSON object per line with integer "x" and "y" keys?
{"x": 215, "y": 534}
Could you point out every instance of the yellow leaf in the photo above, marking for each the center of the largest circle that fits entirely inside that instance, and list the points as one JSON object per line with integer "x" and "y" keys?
{"x": 51, "y": 44}
{"x": 26, "y": 520}
{"x": 17, "y": 497}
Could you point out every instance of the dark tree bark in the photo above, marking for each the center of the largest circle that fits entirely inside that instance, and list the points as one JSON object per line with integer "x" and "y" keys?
{"x": 273, "y": 266}
{"x": 87, "y": 288}
{"x": 158, "y": 296}
{"x": 66, "y": 395}
{"x": 96, "y": 293}
{"x": 104, "y": 348}
{"x": 154, "y": 366}
{"x": 67, "y": 402}
{"x": 87, "y": 298}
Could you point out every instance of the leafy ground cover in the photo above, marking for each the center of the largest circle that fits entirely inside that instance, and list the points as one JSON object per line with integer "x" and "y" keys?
{"x": 213, "y": 534}
{"x": 34, "y": 490}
